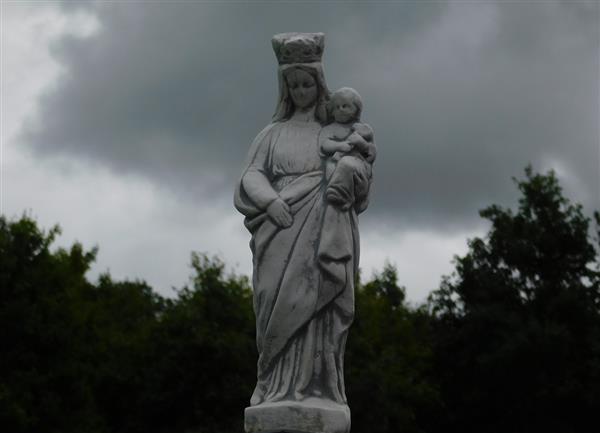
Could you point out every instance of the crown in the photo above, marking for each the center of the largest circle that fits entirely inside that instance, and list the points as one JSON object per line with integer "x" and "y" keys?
{"x": 298, "y": 47}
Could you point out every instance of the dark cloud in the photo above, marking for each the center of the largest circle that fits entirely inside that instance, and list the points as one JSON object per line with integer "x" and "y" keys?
{"x": 461, "y": 96}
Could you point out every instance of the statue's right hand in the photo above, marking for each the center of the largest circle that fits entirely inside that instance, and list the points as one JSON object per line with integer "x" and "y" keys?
{"x": 344, "y": 146}
{"x": 280, "y": 214}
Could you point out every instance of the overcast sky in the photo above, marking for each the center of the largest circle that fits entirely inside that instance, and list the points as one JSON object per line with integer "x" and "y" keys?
{"x": 127, "y": 122}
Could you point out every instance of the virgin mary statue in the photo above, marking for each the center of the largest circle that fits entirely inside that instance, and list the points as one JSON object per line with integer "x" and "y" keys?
{"x": 305, "y": 250}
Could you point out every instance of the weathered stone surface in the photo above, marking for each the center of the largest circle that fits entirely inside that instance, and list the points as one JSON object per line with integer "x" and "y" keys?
{"x": 308, "y": 416}
{"x": 307, "y": 177}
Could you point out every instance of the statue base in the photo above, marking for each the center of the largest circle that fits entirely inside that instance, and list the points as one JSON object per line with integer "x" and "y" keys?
{"x": 312, "y": 415}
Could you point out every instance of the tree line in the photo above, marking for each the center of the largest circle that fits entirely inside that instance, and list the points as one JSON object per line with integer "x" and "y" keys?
{"x": 510, "y": 342}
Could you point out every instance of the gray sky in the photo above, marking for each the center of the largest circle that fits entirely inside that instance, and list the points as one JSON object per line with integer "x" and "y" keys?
{"x": 127, "y": 123}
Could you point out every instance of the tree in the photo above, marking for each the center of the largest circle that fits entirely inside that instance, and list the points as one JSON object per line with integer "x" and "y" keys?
{"x": 71, "y": 350}
{"x": 203, "y": 367}
{"x": 517, "y": 329}
{"x": 122, "y": 320}
{"x": 40, "y": 330}
{"x": 389, "y": 360}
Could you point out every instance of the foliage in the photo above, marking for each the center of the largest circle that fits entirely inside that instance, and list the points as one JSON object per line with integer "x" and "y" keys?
{"x": 205, "y": 355}
{"x": 41, "y": 330}
{"x": 517, "y": 335}
{"x": 389, "y": 360}
{"x": 510, "y": 342}
{"x": 70, "y": 347}
{"x": 115, "y": 356}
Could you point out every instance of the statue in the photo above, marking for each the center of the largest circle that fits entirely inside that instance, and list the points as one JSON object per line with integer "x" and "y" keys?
{"x": 306, "y": 178}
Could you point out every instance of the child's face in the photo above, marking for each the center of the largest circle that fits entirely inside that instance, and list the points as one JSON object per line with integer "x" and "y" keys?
{"x": 343, "y": 109}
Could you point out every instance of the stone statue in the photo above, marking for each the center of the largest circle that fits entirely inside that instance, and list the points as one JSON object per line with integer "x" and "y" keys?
{"x": 306, "y": 178}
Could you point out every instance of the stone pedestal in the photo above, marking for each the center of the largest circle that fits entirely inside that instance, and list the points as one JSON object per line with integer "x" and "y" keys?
{"x": 312, "y": 415}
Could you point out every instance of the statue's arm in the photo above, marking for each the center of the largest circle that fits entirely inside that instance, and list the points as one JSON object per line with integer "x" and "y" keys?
{"x": 370, "y": 152}
{"x": 362, "y": 139}
{"x": 358, "y": 142}
{"x": 255, "y": 180}
{"x": 329, "y": 145}
{"x": 256, "y": 186}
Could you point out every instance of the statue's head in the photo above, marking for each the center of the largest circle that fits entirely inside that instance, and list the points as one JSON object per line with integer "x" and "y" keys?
{"x": 302, "y": 87}
{"x": 345, "y": 105}
{"x": 301, "y": 79}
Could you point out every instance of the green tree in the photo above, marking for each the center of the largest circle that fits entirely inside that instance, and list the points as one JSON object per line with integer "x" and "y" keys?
{"x": 41, "y": 332}
{"x": 517, "y": 330}
{"x": 71, "y": 350}
{"x": 204, "y": 355}
{"x": 389, "y": 360}
{"x": 123, "y": 318}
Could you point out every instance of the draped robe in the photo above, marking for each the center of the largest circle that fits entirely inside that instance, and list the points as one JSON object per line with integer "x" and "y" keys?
{"x": 303, "y": 275}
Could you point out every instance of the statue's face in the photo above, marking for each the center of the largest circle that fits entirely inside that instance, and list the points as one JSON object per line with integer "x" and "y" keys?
{"x": 302, "y": 87}
{"x": 344, "y": 110}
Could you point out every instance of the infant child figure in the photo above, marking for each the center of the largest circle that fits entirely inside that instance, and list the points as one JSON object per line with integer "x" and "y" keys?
{"x": 349, "y": 148}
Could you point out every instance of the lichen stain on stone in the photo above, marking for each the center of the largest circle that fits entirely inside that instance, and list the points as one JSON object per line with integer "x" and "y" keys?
{"x": 313, "y": 421}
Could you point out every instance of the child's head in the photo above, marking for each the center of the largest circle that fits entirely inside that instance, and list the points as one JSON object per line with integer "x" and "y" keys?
{"x": 345, "y": 105}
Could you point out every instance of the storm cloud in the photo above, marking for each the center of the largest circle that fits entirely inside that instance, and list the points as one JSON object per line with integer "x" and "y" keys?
{"x": 461, "y": 96}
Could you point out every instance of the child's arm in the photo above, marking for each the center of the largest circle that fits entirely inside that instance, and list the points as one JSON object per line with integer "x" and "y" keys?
{"x": 362, "y": 139}
{"x": 329, "y": 144}
{"x": 356, "y": 140}
{"x": 371, "y": 152}
{"x": 364, "y": 130}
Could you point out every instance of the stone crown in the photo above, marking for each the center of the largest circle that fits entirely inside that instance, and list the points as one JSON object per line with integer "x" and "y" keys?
{"x": 298, "y": 47}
